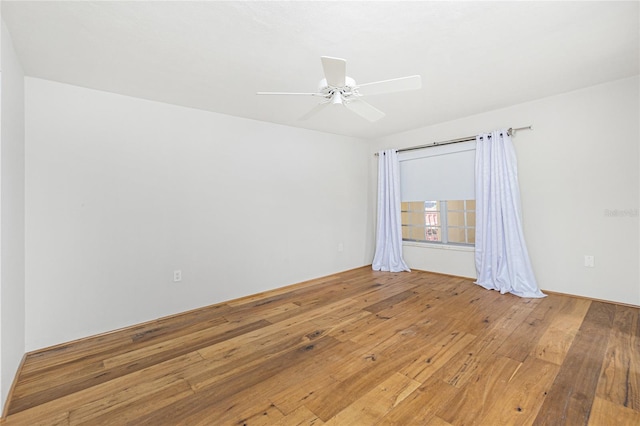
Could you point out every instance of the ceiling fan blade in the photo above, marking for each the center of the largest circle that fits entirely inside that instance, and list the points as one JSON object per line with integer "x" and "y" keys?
{"x": 364, "y": 109}
{"x": 314, "y": 111}
{"x": 335, "y": 70}
{"x": 394, "y": 85}
{"x": 289, "y": 93}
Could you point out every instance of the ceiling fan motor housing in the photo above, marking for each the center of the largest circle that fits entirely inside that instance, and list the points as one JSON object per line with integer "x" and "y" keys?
{"x": 338, "y": 94}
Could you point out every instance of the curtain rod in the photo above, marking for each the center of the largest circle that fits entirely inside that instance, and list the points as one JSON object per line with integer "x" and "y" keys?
{"x": 511, "y": 131}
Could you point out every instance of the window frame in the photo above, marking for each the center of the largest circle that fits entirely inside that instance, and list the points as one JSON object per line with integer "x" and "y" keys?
{"x": 443, "y": 226}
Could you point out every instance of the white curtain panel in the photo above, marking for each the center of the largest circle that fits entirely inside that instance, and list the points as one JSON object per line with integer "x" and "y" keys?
{"x": 502, "y": 259}
{"x": 388, "y": 256}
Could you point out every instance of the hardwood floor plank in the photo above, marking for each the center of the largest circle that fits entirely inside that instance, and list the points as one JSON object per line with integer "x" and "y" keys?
{"x": 572, "y": 393}
{"x": 382, "y": 292}
{"x": 449, "y": 285}
{"x": 360, "y": 347}
{"x": 504, "y": 328}
{"x": 89, "y": 402}
{"x": 436, "y": 355}
{"x": 420, "y": 407}
{"x": 209, "y": 389}
{"x": 255, "y": 412}
{"x": 298, "y": 327}
{"x": 437, "y": 421}
{"x": 123, "y": 401}
{"x": 289, "y": 398}
{"x": 300, "y": 417}
{"x": 382, "y": 334}
{"x": 287, "y": 388}
{"x": 481, "y": 309}
{"x": 437, "y": 302}
{"x": 523, "y": 395}
{"x": 39, "y": 419}
{"x": 522, "y": 341}
{"x": 129, "y": 412}
{"x": 245, "y": 403}
{"x": 620, "y": 378}
{"x": 72, "y": 375}
{"x": 606, "y": 412}
{"x": 120, "y": 341}
{"x": 473, "y": 401}
{"x": 340, "y": 290}
{"x": 389, "y": 302}
{"x": 74, "y": 380}
{"x": 337, "y": 326}
{"x": 377, "y": 402}
{"x": 463, "y": 368}
{"x": 398, "y": 350}
{"x": 557, "y": 339}
{"x": 310, "y": 376}
{"x": 358, "y": 326}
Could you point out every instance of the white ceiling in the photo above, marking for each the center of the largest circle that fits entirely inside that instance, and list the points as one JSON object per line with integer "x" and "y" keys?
{"x": 472, "y": 56}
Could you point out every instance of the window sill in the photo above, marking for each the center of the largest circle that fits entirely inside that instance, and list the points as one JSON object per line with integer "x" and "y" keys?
{"x": 438, "y": 246}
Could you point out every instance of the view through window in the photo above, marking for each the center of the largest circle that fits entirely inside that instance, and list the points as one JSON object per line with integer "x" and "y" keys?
{"x": 444, "y": 221}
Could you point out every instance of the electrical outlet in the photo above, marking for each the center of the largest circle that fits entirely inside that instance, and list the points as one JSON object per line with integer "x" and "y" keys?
{"x": 340, "y": 247}
{"x": 588, "y": 261}
{"x": 177, "y": 275}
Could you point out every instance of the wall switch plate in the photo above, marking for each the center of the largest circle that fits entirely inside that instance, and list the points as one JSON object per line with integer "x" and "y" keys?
{"x": 177, "y": 275}
{"x": 340, "y": 247}
{"x": 588, "y": 261}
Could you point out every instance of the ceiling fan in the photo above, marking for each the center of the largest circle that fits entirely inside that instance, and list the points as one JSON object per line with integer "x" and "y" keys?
{"x": 338, "y": 89}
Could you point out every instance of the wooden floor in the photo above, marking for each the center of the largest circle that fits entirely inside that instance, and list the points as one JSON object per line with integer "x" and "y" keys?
{"x": 356, "y": 348}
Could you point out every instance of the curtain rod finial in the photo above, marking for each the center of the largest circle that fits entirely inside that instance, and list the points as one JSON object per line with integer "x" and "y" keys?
{"x": 511, "y": 131}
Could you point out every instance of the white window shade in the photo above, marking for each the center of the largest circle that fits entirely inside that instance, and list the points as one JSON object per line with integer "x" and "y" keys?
{"x": 438, "y": 173}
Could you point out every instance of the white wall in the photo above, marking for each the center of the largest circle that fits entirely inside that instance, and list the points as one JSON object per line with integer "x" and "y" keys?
{"x": 122, "y": 191}
{"x": 12, "y": 253}
{"x": 580, "y": 159}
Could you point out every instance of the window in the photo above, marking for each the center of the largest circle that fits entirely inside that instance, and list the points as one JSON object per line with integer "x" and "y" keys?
{"x": 445, "y": 221}
{"x": 421, "y": 221}
{"x": 444, "y": 174}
